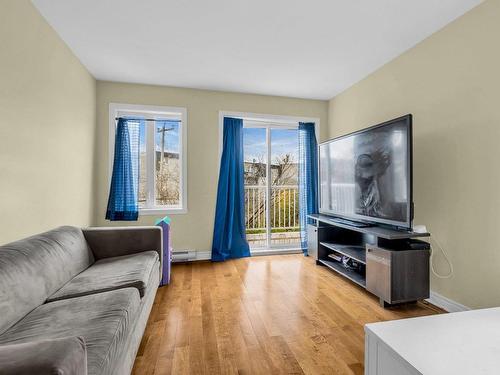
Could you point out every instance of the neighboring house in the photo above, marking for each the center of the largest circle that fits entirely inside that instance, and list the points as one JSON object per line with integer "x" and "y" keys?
{"x": 281, "y": 173}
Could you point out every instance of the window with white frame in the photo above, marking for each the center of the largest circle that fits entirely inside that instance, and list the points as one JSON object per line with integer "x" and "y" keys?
{"x": 162, "y": 155}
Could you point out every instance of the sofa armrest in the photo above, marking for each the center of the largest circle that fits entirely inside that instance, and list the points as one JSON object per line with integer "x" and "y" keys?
{"x": 106, "y": 242}
{"x": 46, "y": 357}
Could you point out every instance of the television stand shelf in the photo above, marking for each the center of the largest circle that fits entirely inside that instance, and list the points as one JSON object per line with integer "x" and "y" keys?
{"x": 357, "y": 253}
{"x": 355, "y": 277}
{"x": 391, "y": 264}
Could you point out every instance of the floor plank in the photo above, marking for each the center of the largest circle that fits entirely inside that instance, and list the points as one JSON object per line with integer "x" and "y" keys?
{"x": 277, "y": 314}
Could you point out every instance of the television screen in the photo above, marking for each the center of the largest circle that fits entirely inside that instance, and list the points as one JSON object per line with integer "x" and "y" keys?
{"x": 367, "y": 175}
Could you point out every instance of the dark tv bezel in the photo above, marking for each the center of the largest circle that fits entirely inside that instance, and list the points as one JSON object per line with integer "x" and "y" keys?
{"x": 370, "y": 219}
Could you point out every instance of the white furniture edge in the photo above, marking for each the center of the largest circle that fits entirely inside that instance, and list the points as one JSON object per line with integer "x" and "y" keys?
{"x": 374, "y": 345}
{"x": 457, "y": 343}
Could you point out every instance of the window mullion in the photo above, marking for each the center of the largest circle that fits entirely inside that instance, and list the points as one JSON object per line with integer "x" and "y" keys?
{"x": 181, "y": 164}
{"x": 150, "y": 154}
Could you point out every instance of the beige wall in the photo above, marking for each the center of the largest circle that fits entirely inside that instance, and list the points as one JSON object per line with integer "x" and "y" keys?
{"x": 54, "y": 164}
{"x": 450, "y": 82}
{"x": 194, "y": 229}
{"x": 47, "y": 127}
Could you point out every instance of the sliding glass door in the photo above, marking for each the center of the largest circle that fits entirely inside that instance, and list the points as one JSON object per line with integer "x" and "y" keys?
{"x": 271, "y": 185}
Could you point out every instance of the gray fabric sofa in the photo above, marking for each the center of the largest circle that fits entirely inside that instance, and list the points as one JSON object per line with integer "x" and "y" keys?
{"x": 76, "y": 301}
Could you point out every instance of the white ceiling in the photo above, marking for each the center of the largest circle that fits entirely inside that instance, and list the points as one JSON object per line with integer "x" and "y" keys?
{"x": 299, "y": 48}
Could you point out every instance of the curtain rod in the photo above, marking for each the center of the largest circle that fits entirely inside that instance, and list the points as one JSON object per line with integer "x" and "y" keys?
{"x": 144, "y": 119}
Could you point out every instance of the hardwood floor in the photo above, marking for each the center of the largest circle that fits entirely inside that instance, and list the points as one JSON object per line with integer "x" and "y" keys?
{"x": 277, "y": 314}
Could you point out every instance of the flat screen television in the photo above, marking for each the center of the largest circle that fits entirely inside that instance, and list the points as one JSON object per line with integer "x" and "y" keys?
{"x": 366, "y": 176}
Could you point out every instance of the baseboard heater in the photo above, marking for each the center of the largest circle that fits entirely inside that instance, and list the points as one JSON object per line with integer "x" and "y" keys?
{"x": 183, "y": 256}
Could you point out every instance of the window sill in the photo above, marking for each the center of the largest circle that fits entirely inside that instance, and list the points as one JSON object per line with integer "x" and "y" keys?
{"x": 162, "y": 211}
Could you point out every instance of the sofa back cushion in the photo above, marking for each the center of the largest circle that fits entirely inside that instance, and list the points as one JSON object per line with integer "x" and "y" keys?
{"x": 34, "y": 268}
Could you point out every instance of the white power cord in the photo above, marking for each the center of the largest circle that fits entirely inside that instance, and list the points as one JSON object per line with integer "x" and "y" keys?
{"x": 445, "y": 256}
{"x": 423, "y": 229}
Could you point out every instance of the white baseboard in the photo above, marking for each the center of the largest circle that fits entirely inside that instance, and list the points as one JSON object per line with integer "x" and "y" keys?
{"x": 445, "y": 303}
{"x": 203, "y": 255}
{"x": 207, "y": 255}
{"x": 198, "y": 255}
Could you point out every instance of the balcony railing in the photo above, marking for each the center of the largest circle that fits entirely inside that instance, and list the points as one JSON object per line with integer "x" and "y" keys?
{"x": 283, "y": 214}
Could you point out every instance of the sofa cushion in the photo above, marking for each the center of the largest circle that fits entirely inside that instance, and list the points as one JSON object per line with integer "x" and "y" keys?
{"x": 104, "y": 320}
{"x": 111, "y": 273}
{"x": 34, "y": 268}
{"x": 66, "y": 356}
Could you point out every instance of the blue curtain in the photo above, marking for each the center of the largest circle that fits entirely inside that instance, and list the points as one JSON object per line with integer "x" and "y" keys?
{"x": 308, "y": 177}
{"x": 123, "y": 192}
{"x": 229, "y": 239}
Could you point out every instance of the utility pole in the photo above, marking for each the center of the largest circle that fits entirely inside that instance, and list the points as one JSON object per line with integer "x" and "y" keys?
{"x": 163, "y": 130}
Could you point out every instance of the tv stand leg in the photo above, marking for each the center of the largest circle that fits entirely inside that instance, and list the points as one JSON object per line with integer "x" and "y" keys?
{"x": 383, "y": 303}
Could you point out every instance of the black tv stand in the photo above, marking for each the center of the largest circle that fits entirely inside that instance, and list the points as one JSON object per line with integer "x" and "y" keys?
{"x": 390, "y": 263}
{"x": 358, "y": 224}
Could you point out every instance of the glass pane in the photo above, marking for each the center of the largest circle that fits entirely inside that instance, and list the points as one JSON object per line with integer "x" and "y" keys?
{"x": 142, "y": 165}
{"x": 284, "y": 210}
{"x": 255, "y": 172}
{"x": 167, "y": 163}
